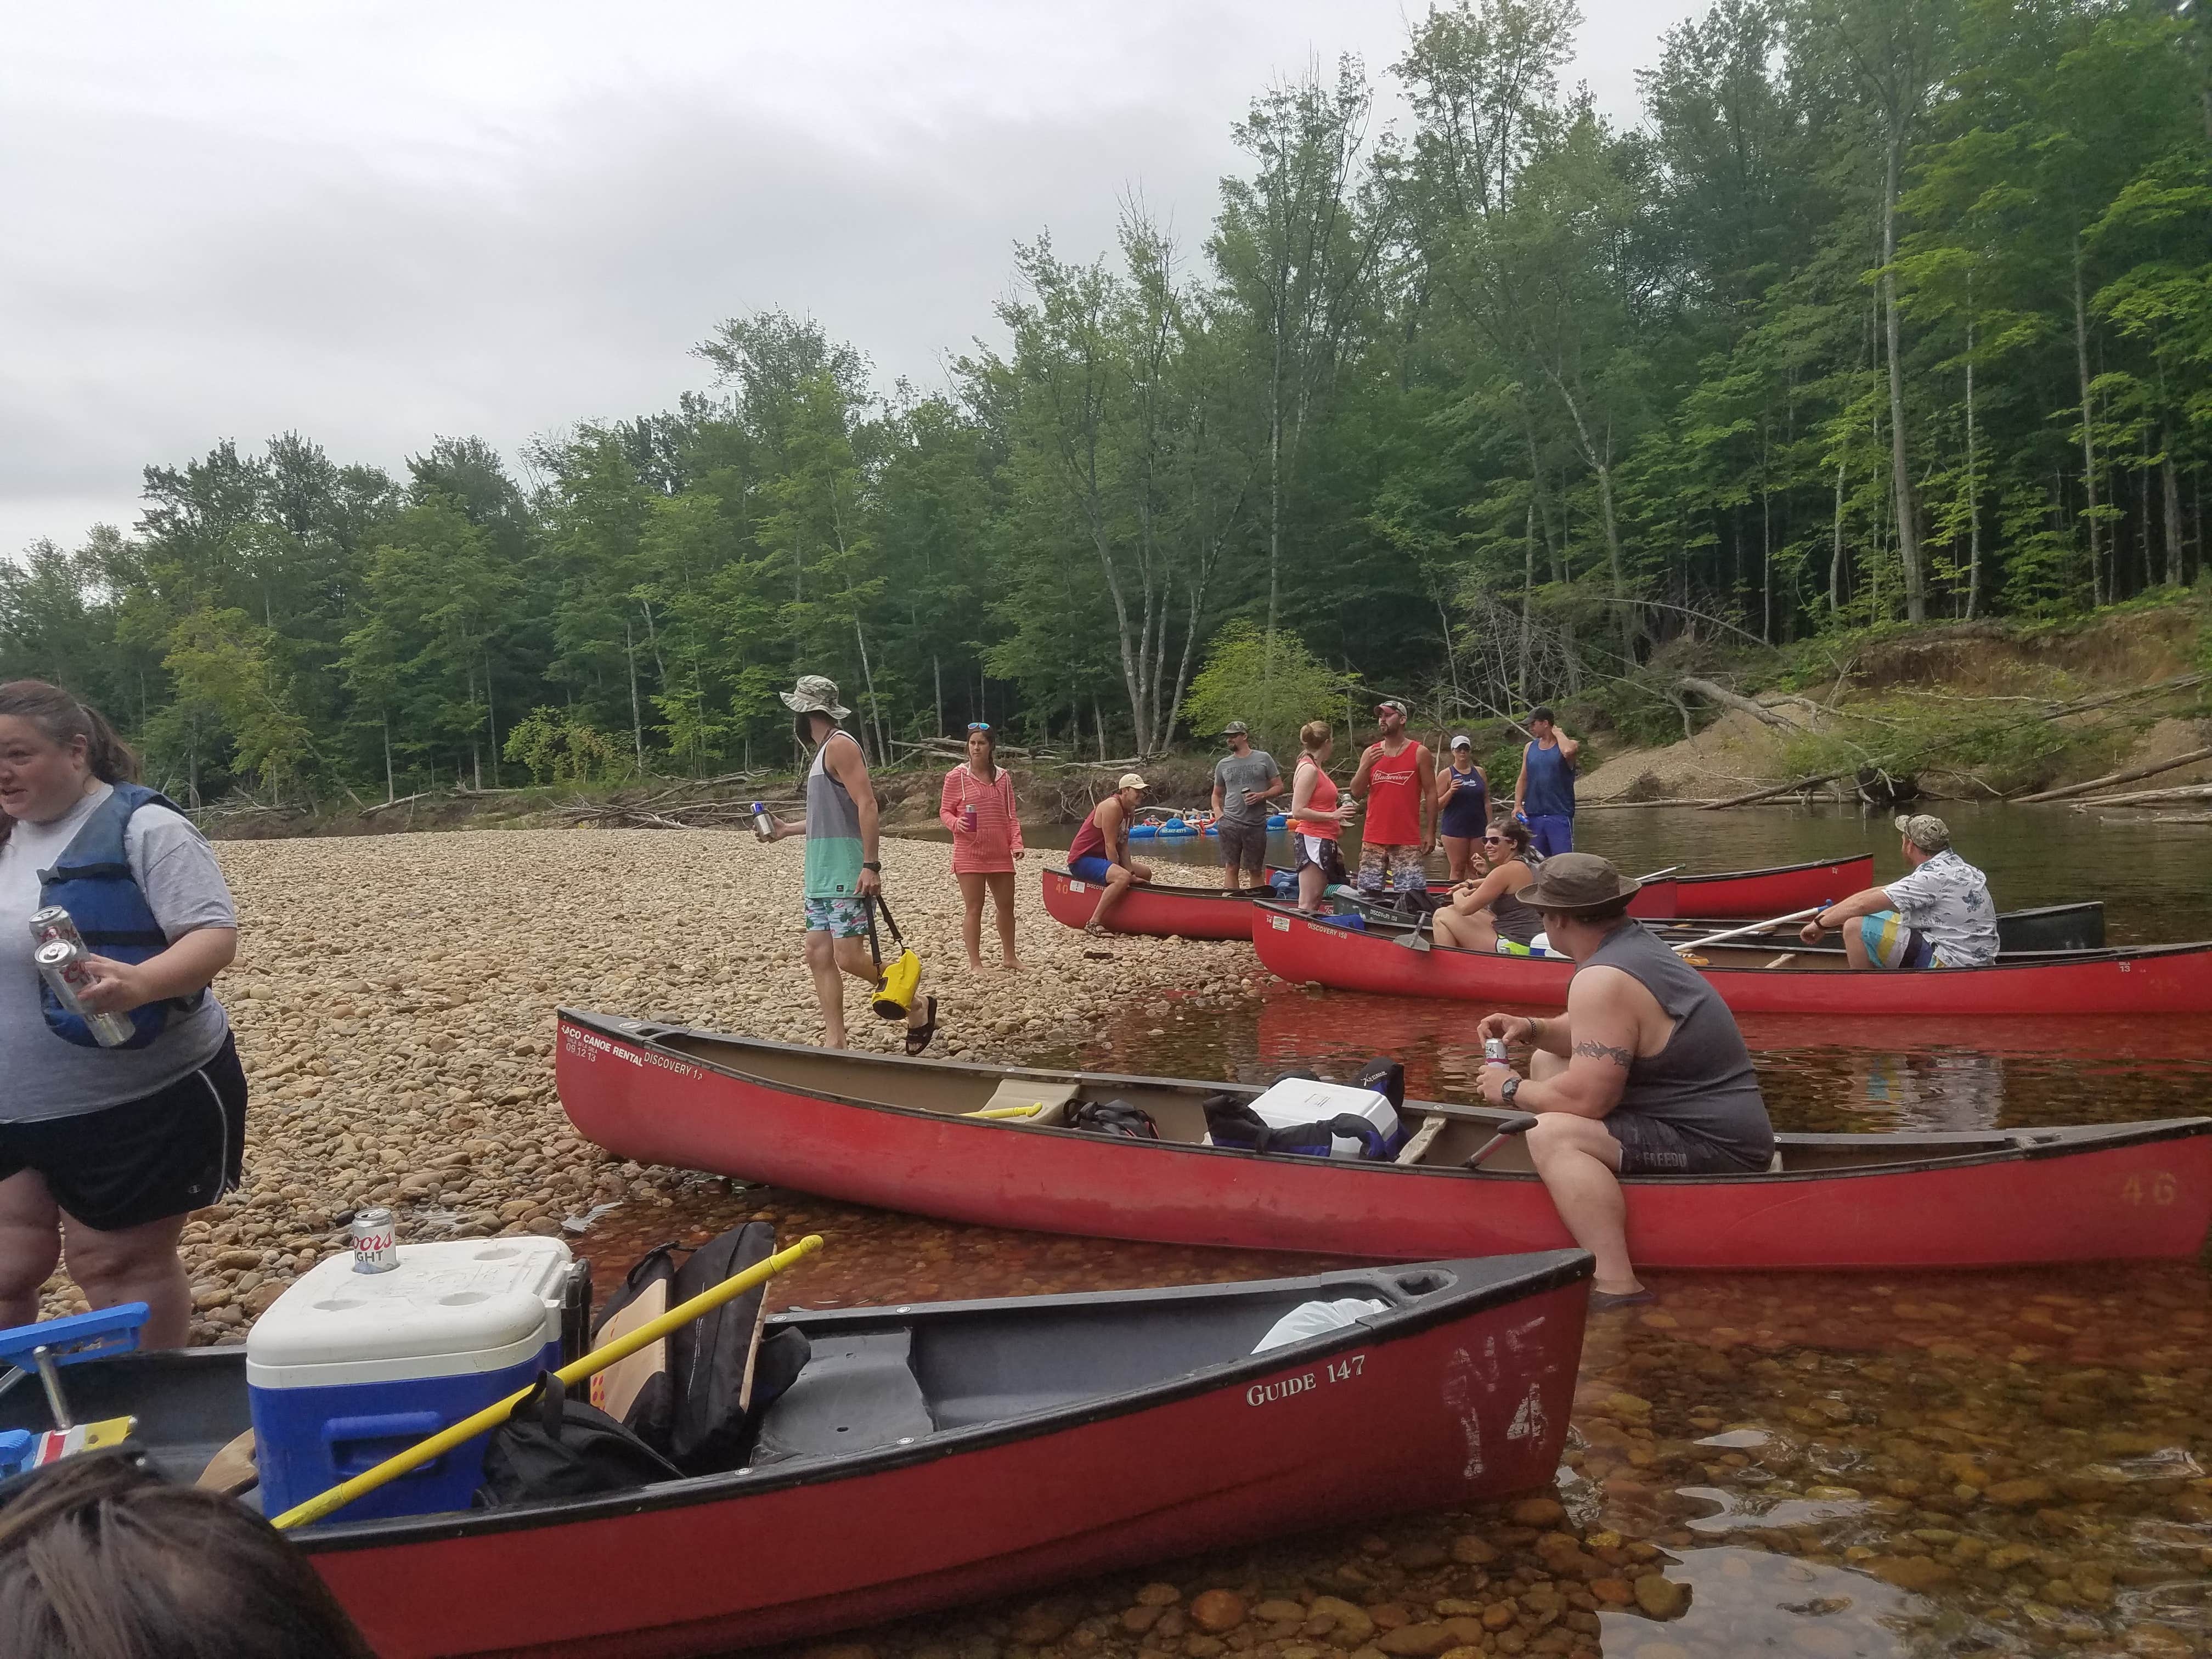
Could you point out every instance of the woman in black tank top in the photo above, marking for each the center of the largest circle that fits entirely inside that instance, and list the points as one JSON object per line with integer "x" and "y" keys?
{"x": 1481, "y": 913}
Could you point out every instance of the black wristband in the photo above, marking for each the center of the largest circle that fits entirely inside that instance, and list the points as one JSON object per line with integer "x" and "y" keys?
{"x": 870, "y": 864}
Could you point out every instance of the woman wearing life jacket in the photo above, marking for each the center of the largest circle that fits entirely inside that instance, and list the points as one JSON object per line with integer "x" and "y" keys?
{"x": 977, "y": 806}
{"x": 104, "y": 1151}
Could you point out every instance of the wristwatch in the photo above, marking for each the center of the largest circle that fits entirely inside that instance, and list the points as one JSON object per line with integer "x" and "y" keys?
{"x": 870, "y": 864}
{"x": 1509, "y": 1088}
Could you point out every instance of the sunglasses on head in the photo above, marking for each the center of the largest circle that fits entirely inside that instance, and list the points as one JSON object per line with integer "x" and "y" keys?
{"x": 979, "y": 726}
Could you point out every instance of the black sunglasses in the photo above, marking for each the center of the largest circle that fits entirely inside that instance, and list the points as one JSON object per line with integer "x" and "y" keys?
{"x": 1496, "y": 841}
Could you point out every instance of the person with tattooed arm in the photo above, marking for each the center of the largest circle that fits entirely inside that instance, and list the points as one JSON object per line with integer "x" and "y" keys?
{"x": 1645, "y": 1075}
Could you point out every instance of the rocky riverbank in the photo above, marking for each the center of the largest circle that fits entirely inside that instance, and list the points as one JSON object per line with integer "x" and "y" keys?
{"x": 394, "y": 996}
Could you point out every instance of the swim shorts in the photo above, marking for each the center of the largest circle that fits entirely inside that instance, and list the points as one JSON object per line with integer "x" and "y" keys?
{"x": 1651, "y": 1145}
{"x": 1093, "y": 868}
{"x": 840, "y": 918}
{"x": 1243, "y": 844}
{"x": 1890, "y": 943}
{"x": 1550, "y": 833}
{"x": 1394, "y": 869}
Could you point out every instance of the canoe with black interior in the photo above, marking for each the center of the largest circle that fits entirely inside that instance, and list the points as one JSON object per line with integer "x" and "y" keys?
{"x": 884, "y": 1130}
{"x": 1771, "y": 977}
{"x": 935, "y": 1454}
{"x": 1201, "y": 913}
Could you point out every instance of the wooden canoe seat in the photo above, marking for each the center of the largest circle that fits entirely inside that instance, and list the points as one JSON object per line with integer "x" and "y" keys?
{"x": 1053, "y": 1094}
{"x": 1414, "y": 1149}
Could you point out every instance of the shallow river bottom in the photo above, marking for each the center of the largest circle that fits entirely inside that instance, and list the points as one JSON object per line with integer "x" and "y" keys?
{"x": 1923, "y": 1464}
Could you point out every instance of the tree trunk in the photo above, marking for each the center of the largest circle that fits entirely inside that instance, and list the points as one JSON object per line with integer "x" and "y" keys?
{"x": 936, "y": 672}
{"x": 389, "y": 792}
{"x": 1973, "y": 488}
{"x": 1836, "y": 548}
{"x": 636, "y": 716}
{"x": 1908, "y": 521}
{"x": 1727, "y": 699}
{"x": 2172, "y": 494}
{"x": 491, "y": 720}
{"x": 1528, "y": 581}
{"x": 2089, "y": 438}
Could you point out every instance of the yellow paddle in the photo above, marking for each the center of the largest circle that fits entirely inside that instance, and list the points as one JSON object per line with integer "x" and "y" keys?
{"x": 570, "y": 1374}
{"x": 1006, "y": 1111}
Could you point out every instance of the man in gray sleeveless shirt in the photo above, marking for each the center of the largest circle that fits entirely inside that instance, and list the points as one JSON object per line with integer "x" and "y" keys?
{"x": 1646, "y": 1075}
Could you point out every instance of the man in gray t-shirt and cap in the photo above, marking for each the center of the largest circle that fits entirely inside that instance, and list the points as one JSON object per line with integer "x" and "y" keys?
{"x": 1244, "y": 782}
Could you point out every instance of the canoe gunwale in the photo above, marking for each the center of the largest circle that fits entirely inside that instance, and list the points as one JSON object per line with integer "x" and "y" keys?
{"x": 2019, "y": 1146}
{"x": 1836, "y": 863}
{"x": 1412, "y": 1314}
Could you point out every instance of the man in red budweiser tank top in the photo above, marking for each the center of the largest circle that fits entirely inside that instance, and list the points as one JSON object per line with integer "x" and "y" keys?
{"x": 1395, "y": 782}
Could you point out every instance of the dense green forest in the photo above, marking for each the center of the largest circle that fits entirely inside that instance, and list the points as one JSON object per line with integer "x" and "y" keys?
{"x": 1887, "y": 310}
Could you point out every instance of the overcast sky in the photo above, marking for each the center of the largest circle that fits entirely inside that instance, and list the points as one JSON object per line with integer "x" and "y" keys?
{"x": 376, "y": 223}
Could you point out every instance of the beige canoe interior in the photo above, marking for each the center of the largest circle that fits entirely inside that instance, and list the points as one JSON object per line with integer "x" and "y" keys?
{"x": 1443, "y": 1137}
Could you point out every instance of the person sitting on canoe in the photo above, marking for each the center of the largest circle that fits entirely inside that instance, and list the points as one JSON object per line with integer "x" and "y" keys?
{"x": 1937, "y": 914}
{"x": 1645, "y": 1075}
{"x": 1488, "y": 912}
{"x": 1100, "y": 849}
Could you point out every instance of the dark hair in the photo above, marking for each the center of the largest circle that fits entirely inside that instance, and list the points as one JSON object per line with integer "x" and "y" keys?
{"x": 100, "y": 1558}
{"x": 1513, "y": 830}
{"x": 1542, "y": 711}
{"x": 62, "y": 719}
{"x": 991, "y": 741}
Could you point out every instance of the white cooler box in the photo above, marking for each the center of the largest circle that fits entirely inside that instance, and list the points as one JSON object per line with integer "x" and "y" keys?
{"x": 346, "y": 1368}
{"x": 1298, "y": 1100}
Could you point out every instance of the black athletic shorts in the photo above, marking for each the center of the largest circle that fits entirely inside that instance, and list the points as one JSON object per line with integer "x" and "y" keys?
{"x": 1650, "y": 1146}
{"x": 178, "y": 1149}
{"x": 1243, "y": 846}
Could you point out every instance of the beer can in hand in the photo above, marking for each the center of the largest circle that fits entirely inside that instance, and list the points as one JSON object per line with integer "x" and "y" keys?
{"x": 375, "y": 1240}
{"x": 1493, "y": 1052}
{"x": 763, "y": 825}
{"x": 61, "y": 964}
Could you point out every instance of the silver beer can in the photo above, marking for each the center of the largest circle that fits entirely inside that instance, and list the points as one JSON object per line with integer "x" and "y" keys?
{"x": 375, "y": 1240}
{"x": 1493, "y": 1051}
{"x": 61, "y": 964}
{"x": 52, "y": 923}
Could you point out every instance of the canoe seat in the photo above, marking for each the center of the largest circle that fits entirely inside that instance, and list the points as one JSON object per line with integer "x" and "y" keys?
{"x": 857, "y": 1392}
{"x": 1774, "y": 1163}
{"x": 1051, "y": 1094}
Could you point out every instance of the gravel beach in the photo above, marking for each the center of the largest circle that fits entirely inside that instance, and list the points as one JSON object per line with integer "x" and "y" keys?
{"x": 394, "y": 996}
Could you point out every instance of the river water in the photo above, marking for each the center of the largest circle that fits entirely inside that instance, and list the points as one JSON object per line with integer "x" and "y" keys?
{"x": 1899, "y": 1464}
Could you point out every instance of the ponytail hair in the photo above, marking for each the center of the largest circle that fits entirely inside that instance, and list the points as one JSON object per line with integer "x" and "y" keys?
{"x": 1312, "y": 735}
{"x": 61, "y": 719}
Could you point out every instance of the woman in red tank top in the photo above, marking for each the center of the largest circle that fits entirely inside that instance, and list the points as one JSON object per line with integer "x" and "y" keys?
{"x": 1316, "y": 818}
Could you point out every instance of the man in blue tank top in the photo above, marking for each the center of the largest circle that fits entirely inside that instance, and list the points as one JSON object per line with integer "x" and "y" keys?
{"x": 1645, "y": 1075}
{"x": 1544, "y": 798}
{"x": 843, "y": 873}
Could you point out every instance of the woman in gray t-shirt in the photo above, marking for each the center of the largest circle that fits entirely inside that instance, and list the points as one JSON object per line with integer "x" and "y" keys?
{"x": 105, "y": 1151}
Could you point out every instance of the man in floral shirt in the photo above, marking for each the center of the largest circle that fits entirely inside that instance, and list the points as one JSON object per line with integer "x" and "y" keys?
{"x": 1937, "y": 914}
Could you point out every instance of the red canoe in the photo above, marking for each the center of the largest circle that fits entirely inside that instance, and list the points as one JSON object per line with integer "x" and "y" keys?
{"x": 889, "y": 1131}
{"x": 1204, "y": 912}
{"x": 958, "y": 1451}
{"x": 1764, "y": 979}
{"x": 1185, "y": 912}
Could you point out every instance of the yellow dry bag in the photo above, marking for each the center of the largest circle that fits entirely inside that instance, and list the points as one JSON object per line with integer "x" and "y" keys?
{"x": 894, "y": 985}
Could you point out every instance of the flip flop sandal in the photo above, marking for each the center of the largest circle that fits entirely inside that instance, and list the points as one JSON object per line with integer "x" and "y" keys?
{"x": 918, "y": 1037}
{"x": 1605, "y": 1300}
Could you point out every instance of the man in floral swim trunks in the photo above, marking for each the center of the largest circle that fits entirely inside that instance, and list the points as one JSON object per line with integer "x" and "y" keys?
{"x": 842, "y": 873}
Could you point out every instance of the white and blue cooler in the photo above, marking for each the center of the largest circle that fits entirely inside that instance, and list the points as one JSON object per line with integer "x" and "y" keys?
{"x": 346, "y": 1368}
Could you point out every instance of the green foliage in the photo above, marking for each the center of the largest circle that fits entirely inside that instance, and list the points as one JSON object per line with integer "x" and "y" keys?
{"x": 558, "y": 748}
{"x": 1274, "y": 688}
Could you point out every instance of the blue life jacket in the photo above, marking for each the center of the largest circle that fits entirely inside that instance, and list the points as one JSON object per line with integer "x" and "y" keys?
{"x": 92, "y": 881}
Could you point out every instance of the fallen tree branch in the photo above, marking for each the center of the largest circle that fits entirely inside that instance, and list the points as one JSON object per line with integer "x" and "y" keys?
{"x": 386, "y": 805}
{"x": 2128, "y": 776}
{"x": 2185, "y": 792}
{"x": 1727, "y": 699}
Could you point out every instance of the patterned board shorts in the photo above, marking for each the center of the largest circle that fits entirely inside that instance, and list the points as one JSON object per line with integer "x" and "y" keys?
{"x": 840, "y": 918}
{"x": 1394, "y": 869}
{"x": 1890, "y": 943}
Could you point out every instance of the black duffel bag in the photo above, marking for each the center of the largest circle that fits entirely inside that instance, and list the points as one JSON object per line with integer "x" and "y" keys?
{"x": 1115, "y": 1117}
{"x": 557, "y": 1447}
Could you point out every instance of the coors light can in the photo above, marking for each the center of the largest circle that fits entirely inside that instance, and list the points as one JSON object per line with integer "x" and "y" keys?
{"x": 1493, "y": 1052}
{"x": 52, "y": 923}
{"x": 61, "y": 964}
{"x": 375, "y": 1240}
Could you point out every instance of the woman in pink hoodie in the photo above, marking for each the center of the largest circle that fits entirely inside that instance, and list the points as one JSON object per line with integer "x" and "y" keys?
{"x": 978, "y": 807}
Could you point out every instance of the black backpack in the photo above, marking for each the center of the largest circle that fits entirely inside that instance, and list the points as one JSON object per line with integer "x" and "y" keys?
{"x": 1115, "y": 1117}
{"x": 557, "y": 1447}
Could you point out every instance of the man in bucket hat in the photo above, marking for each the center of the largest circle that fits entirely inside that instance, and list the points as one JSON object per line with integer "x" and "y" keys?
{"x": 843, "y": 873}
{"x": 1937, "y": 914}
{"x": 1645, "y": 1075}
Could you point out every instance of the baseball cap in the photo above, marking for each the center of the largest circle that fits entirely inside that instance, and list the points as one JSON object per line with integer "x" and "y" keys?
{"x": 1390, "y": 702}
{"x": 1460, "y": 740}
{"x": 1236, "y": 729}
{"x": 1925, "y": 831}
{"x": 1131, "y": 781}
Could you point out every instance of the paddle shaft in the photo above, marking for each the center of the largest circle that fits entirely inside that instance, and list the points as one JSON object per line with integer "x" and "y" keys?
{"x": 1750, "y": 927}
{"x": 573, "y": 1372}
